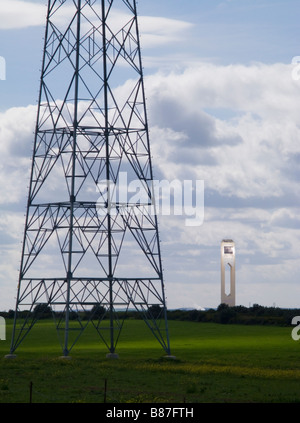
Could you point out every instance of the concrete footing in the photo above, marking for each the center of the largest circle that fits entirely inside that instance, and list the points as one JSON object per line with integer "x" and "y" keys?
{"x": 10, "y": 356}
{"x": 112, "y": 356}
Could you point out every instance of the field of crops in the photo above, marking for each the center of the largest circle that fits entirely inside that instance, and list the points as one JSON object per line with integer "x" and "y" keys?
{"x": 214, "y": 364}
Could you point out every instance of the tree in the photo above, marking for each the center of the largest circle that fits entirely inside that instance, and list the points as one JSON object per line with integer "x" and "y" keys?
{"x": 225, "y": 313}
{"x": 155, "y": 311}
{"x": 98, "y": 311}
{"x": 222, "y": 306}
{"x": 42, "y": 311}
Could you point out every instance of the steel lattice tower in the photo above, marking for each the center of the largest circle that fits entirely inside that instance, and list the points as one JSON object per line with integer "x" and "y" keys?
{"x": 83, "y": 251}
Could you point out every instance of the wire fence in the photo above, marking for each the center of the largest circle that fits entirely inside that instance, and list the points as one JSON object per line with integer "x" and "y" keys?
{"x": 104, "y": 394}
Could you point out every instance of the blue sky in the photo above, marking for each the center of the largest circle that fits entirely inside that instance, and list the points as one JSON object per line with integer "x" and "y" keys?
{"x": 235, "y": 31}
{"x": 224, "y": 106}
{"x": 223, "y": 32}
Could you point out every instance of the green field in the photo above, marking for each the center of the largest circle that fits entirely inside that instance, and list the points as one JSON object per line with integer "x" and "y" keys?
{"x": 215, "y": 363}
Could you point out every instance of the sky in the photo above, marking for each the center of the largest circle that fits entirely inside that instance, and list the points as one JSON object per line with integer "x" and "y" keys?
{"x": 222, "y": 82}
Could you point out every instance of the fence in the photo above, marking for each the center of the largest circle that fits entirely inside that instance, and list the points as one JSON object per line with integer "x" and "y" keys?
{"x": 104, "y": 394}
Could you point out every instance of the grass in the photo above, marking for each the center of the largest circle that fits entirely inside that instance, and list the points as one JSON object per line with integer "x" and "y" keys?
{"x": 215, "y": 363}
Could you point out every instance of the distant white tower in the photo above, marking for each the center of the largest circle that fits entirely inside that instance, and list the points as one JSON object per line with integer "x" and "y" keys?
{"x": 228, "y": 259}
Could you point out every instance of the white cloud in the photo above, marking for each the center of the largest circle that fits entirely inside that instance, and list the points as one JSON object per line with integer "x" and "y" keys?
{"x": 16, "y": 141}
{"x": 155, "y": 31}
{"x": 21, "y": 14}
{"x": 237, "y": 127}
{"x": 258, "y": 88}
{"x": 285, "y": 218}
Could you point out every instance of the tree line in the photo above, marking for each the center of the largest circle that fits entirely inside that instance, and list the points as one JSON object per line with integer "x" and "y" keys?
{"x": 97, "y": 312}
{"x": 255, "y": 315}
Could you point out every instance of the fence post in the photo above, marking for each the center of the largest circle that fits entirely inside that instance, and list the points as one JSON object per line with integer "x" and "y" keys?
{"x": 30, "y": 392}
{"x": 105, "y": 390}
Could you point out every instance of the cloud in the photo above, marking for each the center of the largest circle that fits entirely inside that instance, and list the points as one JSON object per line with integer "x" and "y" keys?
{"x": 286, "y": 218}
{"x": 248, "y": 152}
{"x": 258, "y": 88}
{"x": 266, "y": 257}
{"x": 16, "y": 141}
{"x": 199, "y": 127}
{"x": 155, "y": 31}
{"x": 21, "y": 14}
{"x": 235, "y": 127}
